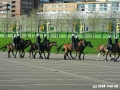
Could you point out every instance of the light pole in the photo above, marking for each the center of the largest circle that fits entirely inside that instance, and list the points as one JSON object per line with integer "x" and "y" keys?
{"x": 114, "y": 15}
{"x": 7, "y": 9}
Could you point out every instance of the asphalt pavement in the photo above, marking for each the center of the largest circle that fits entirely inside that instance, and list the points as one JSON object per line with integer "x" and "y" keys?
{"x": 58, "y": 74}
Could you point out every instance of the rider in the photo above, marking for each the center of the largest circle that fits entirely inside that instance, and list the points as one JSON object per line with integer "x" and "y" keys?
{"x": 116, "y": 40}
{"x": 76, "y": 39}
{"x": 38, "y": 39}
{"x": 18, "y": 38}
{"x": 110, "y": 43}
{"x": 14, "y": 41}
{"x": 73, "y": 41}
{"x": 45, "y": 41}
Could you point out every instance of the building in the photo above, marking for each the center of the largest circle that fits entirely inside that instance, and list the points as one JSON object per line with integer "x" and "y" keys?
{"x": 14, "y": 8}
{"x": 82, "y": 6}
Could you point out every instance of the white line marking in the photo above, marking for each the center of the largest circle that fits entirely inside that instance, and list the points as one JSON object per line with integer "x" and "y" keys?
{"x": 50, "y": 85}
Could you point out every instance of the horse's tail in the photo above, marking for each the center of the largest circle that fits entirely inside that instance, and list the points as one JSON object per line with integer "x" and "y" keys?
{"x": 97, "y": 49}
{"x": 4, "y": 47}
{"x": 58, "y": 49}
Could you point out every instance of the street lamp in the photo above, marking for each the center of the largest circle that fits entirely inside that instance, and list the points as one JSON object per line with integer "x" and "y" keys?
{"x": 114, "y": 18}
{"x": 7, "y": 9}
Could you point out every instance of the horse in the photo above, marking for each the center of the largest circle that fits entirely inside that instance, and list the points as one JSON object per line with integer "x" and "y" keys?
{"x": 23, "y": 44}
{"x": 68, "y": 48}
{"x": 10, "y": 49}
{"x": 43, "y": 48}
{"x": 105, "y": 50}
{"x": 117, "y": 50}
{"x": 87, "y": 43}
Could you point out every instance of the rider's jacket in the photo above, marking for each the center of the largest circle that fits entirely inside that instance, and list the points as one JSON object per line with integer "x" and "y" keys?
{"x": 38, "y": 39}
{"x": 109, "y": 41}
{"x": 73, "y": 39}
{"x": 116, "y": 41}
{"x": 18, "y": 38}
{"x": 45, "y": 39}
{"x": 76, "y": 40}
{"x": 14, "y": 40}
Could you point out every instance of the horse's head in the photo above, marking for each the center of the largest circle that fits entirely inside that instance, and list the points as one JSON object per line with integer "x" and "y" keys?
{"x": 90, "y": 44}
{"x": 29, "y": 41}
{"x": 81, "y": 42}
{"x": 53, "y": 44}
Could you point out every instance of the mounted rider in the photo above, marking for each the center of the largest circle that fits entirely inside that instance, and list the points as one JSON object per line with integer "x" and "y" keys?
{"x": 18, "y": 39}
{"x": 76, "y": 39}
{"x": 45, "y": 41}
{"x": 14, "y": 40}
{"x": 38, "y": 41}
{"x": 110, "y": 44}
{"x": 73, "y": 41}
{"x": 116, "y": 40}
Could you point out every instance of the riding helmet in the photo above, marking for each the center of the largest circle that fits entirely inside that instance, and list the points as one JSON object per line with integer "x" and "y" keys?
{"x": 72, "y": 34}
{"x": 109, "y": 36}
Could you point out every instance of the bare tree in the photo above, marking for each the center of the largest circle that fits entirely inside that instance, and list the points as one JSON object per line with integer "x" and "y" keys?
{"x": 93, "y": 21}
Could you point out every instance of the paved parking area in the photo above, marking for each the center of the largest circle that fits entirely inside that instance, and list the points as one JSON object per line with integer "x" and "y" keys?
{"x": 58, "y": 74}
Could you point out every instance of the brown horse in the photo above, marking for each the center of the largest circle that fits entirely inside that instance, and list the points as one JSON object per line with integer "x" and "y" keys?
{"x": 43, "y": 48}
{"x": 68, "y": 48}
{"x": 105, "y": 50}
{"x": 23, "y": 44}
{"x": 87, "y": 43}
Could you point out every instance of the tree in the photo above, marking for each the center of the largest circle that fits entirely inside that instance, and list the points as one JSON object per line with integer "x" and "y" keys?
{"x": 94, "y": 20}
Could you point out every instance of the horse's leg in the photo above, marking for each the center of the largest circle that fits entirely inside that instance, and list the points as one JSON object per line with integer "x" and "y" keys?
{"x": 79, "y": 56}
{"x": 65, "y": 54}
{"x": 48, "y": 55}
{"x": 72, "y": 56}
{"x": 13, "y": 54}
{"x": 106, "y": 56}
{"x": 44, "y": 54}
{"x": 40, "y": 55}
{"x": 75, "y": 54}
{"x": 117, "y": 57}
{"x": 83, "y": 55}
{"x": 98, "y": 56}
{"x": 20, "y": 54}
{"x": 9, "y": 54}
{"x": 34, "y": 54}
{"x": 30, "y": 54}
{"x": 68, "y": 55}
{"x": 23, "y": 53}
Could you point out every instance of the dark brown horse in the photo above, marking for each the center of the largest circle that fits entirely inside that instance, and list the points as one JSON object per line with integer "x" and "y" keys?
{"x": 116, "y": 50}
{"x": 68, "y": 48}
{"x": 23, "y": 45}
{"x": 87, "y": 43}
{"x": 43, "y": 48}
{"x": 105, "y": 50}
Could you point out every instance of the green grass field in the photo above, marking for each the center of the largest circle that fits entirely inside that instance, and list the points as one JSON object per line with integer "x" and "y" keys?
{"x": 61, "y": 38}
